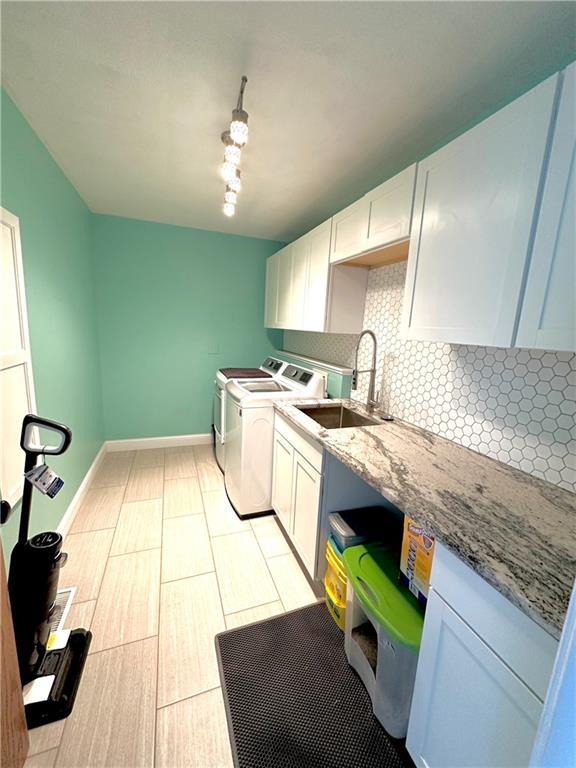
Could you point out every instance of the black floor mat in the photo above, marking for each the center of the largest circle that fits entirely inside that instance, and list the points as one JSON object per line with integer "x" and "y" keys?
{"x": 293, "y": 701}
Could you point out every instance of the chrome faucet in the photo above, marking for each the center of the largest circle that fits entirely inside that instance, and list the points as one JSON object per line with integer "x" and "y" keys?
{"x": 371, "y": 401}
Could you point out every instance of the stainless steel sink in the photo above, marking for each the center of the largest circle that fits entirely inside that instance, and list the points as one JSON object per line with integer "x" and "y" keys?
{"x": 340, "y": 417}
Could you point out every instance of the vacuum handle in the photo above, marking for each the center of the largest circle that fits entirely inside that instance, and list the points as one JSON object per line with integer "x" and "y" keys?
{"x": 30, "y": 423}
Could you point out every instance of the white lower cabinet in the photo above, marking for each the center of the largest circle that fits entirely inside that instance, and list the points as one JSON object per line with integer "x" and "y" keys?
{"x": 305, "y": 507}
{"x": 468, "y": 708}
{"x": 296, "y": 485}
{"x": 483, "y": 671}
{"x": 282, "y": 480}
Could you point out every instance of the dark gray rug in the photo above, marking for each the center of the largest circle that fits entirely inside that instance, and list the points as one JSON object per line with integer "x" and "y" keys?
{"x": 293, "y": 701}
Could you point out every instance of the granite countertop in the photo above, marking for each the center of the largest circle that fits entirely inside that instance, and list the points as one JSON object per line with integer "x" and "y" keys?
{"x": 516, "y": 531}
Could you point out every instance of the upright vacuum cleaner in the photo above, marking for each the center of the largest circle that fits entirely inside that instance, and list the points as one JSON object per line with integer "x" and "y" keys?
{"x": 50, "y": 667}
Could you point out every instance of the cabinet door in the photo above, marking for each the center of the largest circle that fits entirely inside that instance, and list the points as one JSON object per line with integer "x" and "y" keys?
{"x": 271, "y": 296}
{"x": 306, "y": 514}
{"x": 295, "y": 317}
{"x": 468, "y": 708}
{"x": 473, "y": 211}
{"x": 548, "y": 319}
{"x": 318, "y": 272}
{"x": 282, "y": 481}
{"x": 390, "y": 209}
{"x": 349, "y": 231}
{"x": 284, "y": 287}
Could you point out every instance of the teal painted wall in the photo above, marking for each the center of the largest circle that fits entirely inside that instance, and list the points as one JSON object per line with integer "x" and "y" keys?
{"x": 55, "y": 227}
{"x": 174, "y": 305}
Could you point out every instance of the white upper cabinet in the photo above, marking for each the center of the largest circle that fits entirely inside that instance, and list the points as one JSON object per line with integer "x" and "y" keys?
{"x": 309, "y": 295}
{"x": 390, "y": 209}
{"x": 284, "y": 305}
{"x": 349, "y": 228}
{"x": 474, "y": 209}
{"x": 271, "y": 297}
{"x": 378, "y": 219}
{"x": 548, "y": 317}
{"x": 318, "y": 242}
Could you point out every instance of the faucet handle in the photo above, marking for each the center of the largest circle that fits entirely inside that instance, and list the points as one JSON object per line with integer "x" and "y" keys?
{"x": 354, "y": 385}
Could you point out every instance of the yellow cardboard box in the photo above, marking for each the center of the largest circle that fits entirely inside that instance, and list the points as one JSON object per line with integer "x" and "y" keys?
{"x": 416, "y": 559}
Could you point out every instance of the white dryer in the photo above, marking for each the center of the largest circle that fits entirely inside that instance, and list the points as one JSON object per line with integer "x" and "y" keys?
{"x": 249, "y": 433}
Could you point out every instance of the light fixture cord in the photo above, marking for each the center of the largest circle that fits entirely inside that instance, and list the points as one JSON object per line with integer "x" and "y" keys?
{"x": 241, "y": 94}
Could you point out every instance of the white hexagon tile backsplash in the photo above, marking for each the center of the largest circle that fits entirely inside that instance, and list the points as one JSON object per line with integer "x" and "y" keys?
{"x": 515, "y": 405}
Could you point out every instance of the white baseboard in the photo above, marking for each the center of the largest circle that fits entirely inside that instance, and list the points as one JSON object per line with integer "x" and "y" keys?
{"x": 174, "y": 441}
{"x": 68, "y": 518}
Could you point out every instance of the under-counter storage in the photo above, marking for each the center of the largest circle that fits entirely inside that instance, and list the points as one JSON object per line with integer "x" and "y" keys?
{"x": 482, "y": 675}
{"x": 379, "y": 219}
{"x": 296, "y": 483}
{"x": 474, "y": 209}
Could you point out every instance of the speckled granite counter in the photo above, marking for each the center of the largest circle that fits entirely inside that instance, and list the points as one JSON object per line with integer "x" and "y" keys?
{"x": 516, "y": 531}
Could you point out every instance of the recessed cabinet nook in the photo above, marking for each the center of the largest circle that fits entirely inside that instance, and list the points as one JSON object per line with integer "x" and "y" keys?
{"x": 485, "y": 223}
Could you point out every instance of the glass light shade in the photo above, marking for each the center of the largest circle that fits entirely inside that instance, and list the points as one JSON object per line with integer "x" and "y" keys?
{"x": 227, "y": 171}
{"x": 229, "y": 209}
{"x": 230, "y": 197}
{"x": 234, "y": 184}
{"x": 232, "y": 154}
{"x": 239, "y": 132}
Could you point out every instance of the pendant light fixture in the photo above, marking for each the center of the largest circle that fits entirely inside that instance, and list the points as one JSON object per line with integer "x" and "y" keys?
{"x": 234, "y": 139}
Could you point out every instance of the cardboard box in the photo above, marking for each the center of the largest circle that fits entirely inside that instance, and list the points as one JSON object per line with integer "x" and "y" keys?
{"x": 416, "y": 559}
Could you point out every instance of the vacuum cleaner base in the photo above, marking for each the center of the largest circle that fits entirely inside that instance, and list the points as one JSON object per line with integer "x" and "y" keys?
{"x": 67, "y": 665}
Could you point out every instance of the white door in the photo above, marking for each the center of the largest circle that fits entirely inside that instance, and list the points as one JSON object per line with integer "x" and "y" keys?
{"x": 305, "y": 505}
{"x": 282, "y": 481}
{"x": 548, "y": 319}
{"x": 16, "y": 381}
{"x": 299, "y": 281}
{"x": 349, "y": 231}
{"x": 318, "y": 274}
{"x": 468, "y": 709}
{"x": 473, "y": 213}
{"x": 284, "y": 303}
{"x": 271, "y": 296}
{"x": 390, "y": 209}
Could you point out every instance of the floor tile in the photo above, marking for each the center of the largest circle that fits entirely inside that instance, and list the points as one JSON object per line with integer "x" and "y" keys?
{"x": 99, "y": 509}
{"x": 127, "y": 607}
{"x": 114, "y": 469}
{"x": 145, "y": 484}
{"x": 80, "y": 615}
{"x": 270, "y": 537}
{"x": 149, "y": 457}
{"x": 209, "y": 474}
{"x": 46, "y": 737}
{"x": 180, "y": 462}
{"x": 186, "y": 548}
{"x": 290, "y": 581}
{"x": 182, "y": 497}
{"x": 250, "y": 615}
{"x": 190, "y": 617}
{"x": 242, "y": 573}
{"x": 139, "y": 527}
{"x": 42, "y": 760}
{"x": 87, "y": 553}
{"x": 220, "y": 514}
{"x": 199, "y": 721}
{"x": 112, "y": 723}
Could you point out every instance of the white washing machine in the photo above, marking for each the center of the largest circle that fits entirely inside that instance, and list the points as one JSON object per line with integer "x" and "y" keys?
{"x": 249, "y": 433}
{"x": 269, "y": 368}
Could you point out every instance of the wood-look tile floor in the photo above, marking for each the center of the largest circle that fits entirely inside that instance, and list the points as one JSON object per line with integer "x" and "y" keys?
{"x": 161, "y": 564}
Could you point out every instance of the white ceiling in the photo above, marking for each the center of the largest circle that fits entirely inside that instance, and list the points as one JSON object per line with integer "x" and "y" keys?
{"x": 131, "y": 98}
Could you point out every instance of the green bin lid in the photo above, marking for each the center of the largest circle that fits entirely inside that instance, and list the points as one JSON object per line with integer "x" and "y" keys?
{"x": 373, "y": 572}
